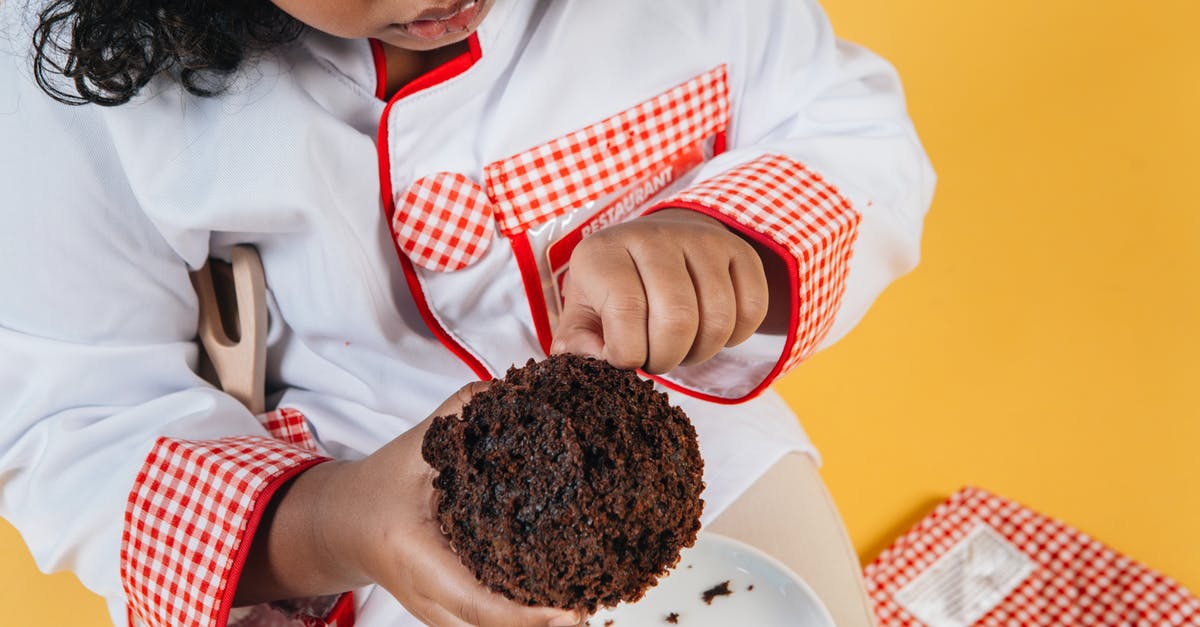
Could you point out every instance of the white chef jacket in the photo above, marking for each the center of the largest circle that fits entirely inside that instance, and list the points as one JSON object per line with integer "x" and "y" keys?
{"x": 119, "y": 463}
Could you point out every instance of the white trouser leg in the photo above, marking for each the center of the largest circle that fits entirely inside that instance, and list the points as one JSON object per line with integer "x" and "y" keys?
{"x": 789, "y": 514}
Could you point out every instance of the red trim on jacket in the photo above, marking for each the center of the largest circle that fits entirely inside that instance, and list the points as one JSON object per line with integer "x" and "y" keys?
{"x": 342, "y": 614}
{"x": 380, "y": 59}
{"x": 531, "y": 277}
{"x": 436, "y": 76}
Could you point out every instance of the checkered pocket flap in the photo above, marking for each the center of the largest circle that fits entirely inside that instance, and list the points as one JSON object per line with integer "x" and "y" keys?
{"x": 554, "y": 178}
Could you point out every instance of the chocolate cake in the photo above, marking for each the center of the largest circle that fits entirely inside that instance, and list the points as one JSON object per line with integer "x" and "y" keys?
{"x": 568, "y": 484}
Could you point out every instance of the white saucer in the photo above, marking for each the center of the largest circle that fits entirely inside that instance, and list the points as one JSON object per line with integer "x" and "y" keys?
{"x": 778, "y": 598}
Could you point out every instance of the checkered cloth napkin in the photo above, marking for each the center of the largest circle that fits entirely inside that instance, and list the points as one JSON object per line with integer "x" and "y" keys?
{"x": 979, "y": 559}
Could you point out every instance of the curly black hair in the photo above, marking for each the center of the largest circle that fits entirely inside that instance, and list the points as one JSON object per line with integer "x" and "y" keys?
{"x": 110, "y": 49}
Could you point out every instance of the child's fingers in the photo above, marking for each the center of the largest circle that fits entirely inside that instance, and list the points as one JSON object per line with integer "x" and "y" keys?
{"x": 672, "y": 316}
{"x": 605, "y": 286}
{"x": 619, "y": 298}
{"x": 437, "y": 616}
{"x": 579, "y": 328}
{"x": 449, "y": 584}
{"x": 455, "y": 403}
{"x": 717, "y": 305}
{"x": 752, "y": 294}
{"x": 402, "y": 456}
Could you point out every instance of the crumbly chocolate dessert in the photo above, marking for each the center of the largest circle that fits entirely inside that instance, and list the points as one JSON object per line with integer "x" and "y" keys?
{"x": 568, "y": 484}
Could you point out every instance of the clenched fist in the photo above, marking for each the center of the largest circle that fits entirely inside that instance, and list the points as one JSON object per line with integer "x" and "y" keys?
{"x": 673, "y": 287}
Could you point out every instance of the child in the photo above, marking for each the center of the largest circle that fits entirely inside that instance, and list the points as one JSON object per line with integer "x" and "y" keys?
{"x": 729, "y": 186}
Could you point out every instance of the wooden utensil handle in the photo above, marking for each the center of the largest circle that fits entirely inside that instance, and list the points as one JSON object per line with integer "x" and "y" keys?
{"x": 240, "y": 364}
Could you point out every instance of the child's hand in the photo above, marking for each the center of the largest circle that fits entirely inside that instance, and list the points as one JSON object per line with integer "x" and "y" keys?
{"x": 394, "y": 538}
{"x": 670, "y": 288}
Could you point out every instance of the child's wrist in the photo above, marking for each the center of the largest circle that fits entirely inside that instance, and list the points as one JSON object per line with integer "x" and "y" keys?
{"x": 338, "y": 528}
{"x": 298, "y": 549}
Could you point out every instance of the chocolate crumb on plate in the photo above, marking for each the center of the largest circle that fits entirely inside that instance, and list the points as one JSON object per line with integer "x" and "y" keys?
{"x": 608, "y": 622}
{"x": 749, "y": 587}
{"x": 719, "y": 590}
{"x": 672, "y": 618}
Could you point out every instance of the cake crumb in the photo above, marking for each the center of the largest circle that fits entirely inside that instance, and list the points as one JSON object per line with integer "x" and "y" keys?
{"x": 673, "y": 618}
{"x": 749, "y": 587}
{"x": 689, "y": 565}
{"x": 608, "y": 622}
{"x": 719, "y": 590}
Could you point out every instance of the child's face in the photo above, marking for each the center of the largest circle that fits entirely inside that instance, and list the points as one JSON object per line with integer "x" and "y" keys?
{"x": 406, "y": 24}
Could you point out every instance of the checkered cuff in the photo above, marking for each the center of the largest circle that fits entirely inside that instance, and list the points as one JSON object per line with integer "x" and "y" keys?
{"x": 804, "y": 219}
{"x": 190, "y": 520}
{"x": 289, "y": 425}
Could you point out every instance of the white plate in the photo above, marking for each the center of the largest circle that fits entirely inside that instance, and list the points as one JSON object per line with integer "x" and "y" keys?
{"x": 779, "y": 598}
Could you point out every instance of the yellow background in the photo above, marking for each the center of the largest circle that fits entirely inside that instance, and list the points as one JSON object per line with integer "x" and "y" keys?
{"x": 1048, "y": 347}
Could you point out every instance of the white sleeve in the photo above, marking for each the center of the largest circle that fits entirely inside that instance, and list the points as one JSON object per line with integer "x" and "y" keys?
{"x": 114, "y": 455}
{"x": 824, "y": 166}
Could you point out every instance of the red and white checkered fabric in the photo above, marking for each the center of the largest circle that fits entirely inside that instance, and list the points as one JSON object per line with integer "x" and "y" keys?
{"x": 561, "y": 175}
{"x": 189, "y": 522}
{"x": 1076, "y": 580}
{"x": 289, "y": 425}
{"x": 783, "y": 200}
{"x": 443, "y": 222}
